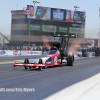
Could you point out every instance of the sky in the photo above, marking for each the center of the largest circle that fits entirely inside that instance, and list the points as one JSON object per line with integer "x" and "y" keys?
{"x": 90, "y": 6}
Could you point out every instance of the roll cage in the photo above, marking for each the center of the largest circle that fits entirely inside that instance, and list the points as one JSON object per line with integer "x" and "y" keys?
{"x": 63, "y": 45}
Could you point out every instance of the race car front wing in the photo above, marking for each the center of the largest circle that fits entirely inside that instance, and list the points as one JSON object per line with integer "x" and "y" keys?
{"x": 24, "y": 64}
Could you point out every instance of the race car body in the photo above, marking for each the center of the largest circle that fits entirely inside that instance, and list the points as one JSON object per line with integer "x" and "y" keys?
{"x": 51, "y": 59}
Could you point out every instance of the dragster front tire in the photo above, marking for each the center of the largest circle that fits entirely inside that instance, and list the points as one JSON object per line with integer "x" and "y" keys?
{"x": 26, "y": 62}
{"x": 40, "y": 62}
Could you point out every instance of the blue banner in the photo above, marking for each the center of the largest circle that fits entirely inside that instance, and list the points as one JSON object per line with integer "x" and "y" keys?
{"x": 58, "y": 15}
{"x": 2, "y": 53}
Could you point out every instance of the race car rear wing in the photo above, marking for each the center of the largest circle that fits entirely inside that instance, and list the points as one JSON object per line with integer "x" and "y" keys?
{"x": 65, "y": 35}
{"x": 64, "y": 44}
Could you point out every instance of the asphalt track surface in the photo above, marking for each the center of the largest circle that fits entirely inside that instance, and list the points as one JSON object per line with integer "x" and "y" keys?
{"x": 45, "y": 82}
{"x": 2, "y": 59}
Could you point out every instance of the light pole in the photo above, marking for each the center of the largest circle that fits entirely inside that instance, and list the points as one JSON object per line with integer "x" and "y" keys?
{"x": 76, "y": 10}
{"x": 29, "y": 26}
{"x": 29, "y": 18}
{"x": 97, "y": 35}
{"x": 35, "y": 2}
{"x": 99, "y": 30}
{"x": 28, "y": 14}
{"x": 76, "y": 7}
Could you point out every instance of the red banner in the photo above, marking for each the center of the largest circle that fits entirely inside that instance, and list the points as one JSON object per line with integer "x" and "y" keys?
{"x": 15, "y": 52}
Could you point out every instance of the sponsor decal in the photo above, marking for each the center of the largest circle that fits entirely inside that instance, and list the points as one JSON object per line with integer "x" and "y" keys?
{"x": 25, "y": 11}
{"x": 75, "y": 16}
{"x": 44, "y": 52}
{"x": 49, "y": 62}
{"x": 75, "y": 30}
{"x": 51, "y": 38}
{"x": 15, "y": 52}
{"x": 33, "y": 52}
{"x": 32, "y": 10}
{"x": 34, "y": 27}
{"x": 58, "y": 15}
{"x": 55, "y": 60}
{"x": 37, "y": 12}
{"x": 46, "y": 13}
{"x": 48, "y": 28}
{"x": 62, "y": 29}
{"x": 43, "y": 13}
{"x": 2, "y": 53}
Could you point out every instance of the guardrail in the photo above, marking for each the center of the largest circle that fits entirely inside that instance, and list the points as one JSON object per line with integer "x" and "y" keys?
{"x": 19, "y": 53}
{"x": 29, "y": 53}
{"x": 86, "y": 54}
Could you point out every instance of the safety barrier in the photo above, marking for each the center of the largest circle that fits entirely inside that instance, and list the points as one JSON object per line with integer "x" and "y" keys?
{"x": 29, "y": 53}
{"x": 78, "y": 54}
{"x": 86, "y": 54}
{"x": 19, "y": 53}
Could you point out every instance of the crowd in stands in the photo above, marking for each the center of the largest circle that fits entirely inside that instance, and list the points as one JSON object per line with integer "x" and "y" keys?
{"x": 22, "y": 48}
{"x": 87, "y": 49}
{"x": 38, "y": 48}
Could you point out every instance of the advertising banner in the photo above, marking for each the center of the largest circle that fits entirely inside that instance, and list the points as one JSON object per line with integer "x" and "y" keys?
{"x": 43, "y": 13}
{"x": 51, "y": 28}
{"x": 26, "y": 10}
{"x": 34, "y": 27}
{"x": 9, "y": 53}
{"x": 38, "y": 12}
{"x": 33, "y": 52}
{"x": 90, "y": 41}
{"x": 48, "y": 28}
{"x": 79, "y": 17}
{"x": 51, "y": 38}
{"x": 12, "y": 53}
{"x": 75, "y": 30}
{"x": 2, "y": 53}
{"x": 58, "y": 14}
{"x": 69, "y": 15}
{"x": 15, "y": 52}
{"x": 75, "y": 16}
{"x": 19, "y": 53}
{"x": 62, "y": 29}
{"x": 31, "y": 11}
{"x": 82, "y": 17}
{"x": 93, "y": 42}
{"x": 46, "y": 13}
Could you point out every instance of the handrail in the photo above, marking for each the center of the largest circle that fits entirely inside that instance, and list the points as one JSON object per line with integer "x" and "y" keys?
{"x": 5, "y": 37}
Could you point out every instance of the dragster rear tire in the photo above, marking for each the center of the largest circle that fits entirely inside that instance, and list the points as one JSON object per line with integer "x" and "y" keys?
{"x": 26, "y": 62}
{"x": 40, "y": 62}
{"x": 70, "y": 60}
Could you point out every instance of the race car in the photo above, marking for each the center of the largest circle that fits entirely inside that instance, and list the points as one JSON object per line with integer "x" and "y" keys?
{"x": 52, "y": 59}
{"x": 56, "y": 56}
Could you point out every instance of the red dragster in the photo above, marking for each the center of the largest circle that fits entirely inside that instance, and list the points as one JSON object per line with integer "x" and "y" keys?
{"x": 52, "y": 59}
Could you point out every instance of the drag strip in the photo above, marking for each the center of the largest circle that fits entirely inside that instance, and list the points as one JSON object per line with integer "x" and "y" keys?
{"x": 45, "y": 82}
{"x": 2, "y": 59}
